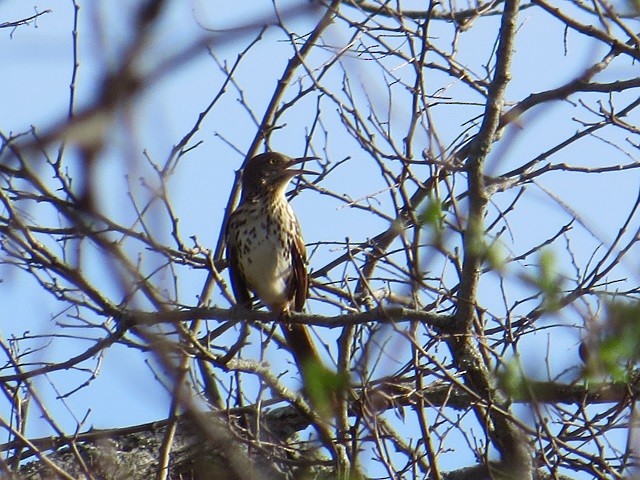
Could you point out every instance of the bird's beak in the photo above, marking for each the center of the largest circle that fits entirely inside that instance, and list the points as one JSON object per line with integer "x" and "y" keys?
{"x": 291, "y": 172}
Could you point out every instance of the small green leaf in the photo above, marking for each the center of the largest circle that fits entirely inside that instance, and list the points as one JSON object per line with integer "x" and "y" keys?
{"x": 432, "y": 215}
{"x": 616, "y": 343}
{"x": 496, "y": 257}
{"x": 324, "y": 387}
{"x": 547, "y": 280}
{"x": 512, "y": 381}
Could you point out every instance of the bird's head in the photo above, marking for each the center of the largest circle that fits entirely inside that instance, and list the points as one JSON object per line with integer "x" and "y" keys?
{"x": 270, "y": 173}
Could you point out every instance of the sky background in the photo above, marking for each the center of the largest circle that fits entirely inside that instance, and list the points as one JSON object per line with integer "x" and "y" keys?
{"x": 37, "y": 67}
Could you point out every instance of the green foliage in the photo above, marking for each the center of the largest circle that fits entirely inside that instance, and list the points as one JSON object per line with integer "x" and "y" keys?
{"x": 495, "y": 256}
{"x": 512, "y": 381}
{"x": 432, "y": 216}
{"x": 324, "y": 387}
{"x": 547, "y": 280}
{"x": 615, "y": 348}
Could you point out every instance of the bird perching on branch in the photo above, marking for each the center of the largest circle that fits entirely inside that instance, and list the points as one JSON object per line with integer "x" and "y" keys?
{"x": 265, "y": 249}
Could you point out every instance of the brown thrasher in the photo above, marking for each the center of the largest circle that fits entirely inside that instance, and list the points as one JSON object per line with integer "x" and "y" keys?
{"x": 265, "y": 249}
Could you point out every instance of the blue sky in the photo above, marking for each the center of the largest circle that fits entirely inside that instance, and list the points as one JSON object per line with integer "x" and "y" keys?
{"x": 37, "y": 64}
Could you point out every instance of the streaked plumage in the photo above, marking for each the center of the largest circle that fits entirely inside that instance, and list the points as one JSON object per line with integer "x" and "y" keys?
{"x": 265, "y": 248}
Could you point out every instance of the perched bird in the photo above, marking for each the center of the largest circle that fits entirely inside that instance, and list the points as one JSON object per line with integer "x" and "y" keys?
{"x": 265, "y": 249}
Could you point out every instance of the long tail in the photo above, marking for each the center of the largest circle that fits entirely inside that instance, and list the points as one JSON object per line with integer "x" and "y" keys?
{"x": 302, "y": 347}
{"x": 323, "y": 395}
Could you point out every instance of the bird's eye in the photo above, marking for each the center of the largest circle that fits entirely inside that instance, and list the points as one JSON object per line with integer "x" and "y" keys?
{"x": 272, "y": 161}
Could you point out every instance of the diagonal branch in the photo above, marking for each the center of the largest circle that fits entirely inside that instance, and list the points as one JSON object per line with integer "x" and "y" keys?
{"x": 504, "y": 433}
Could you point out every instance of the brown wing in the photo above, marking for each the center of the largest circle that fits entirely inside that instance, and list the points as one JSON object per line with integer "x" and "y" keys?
{"x": 297, "y": 335}
{"x": 299, "y": 282}
{"x": 238, "y": 282}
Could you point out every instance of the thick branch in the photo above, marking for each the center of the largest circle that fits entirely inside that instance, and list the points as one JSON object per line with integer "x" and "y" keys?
{"x": 504, "y": 434}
